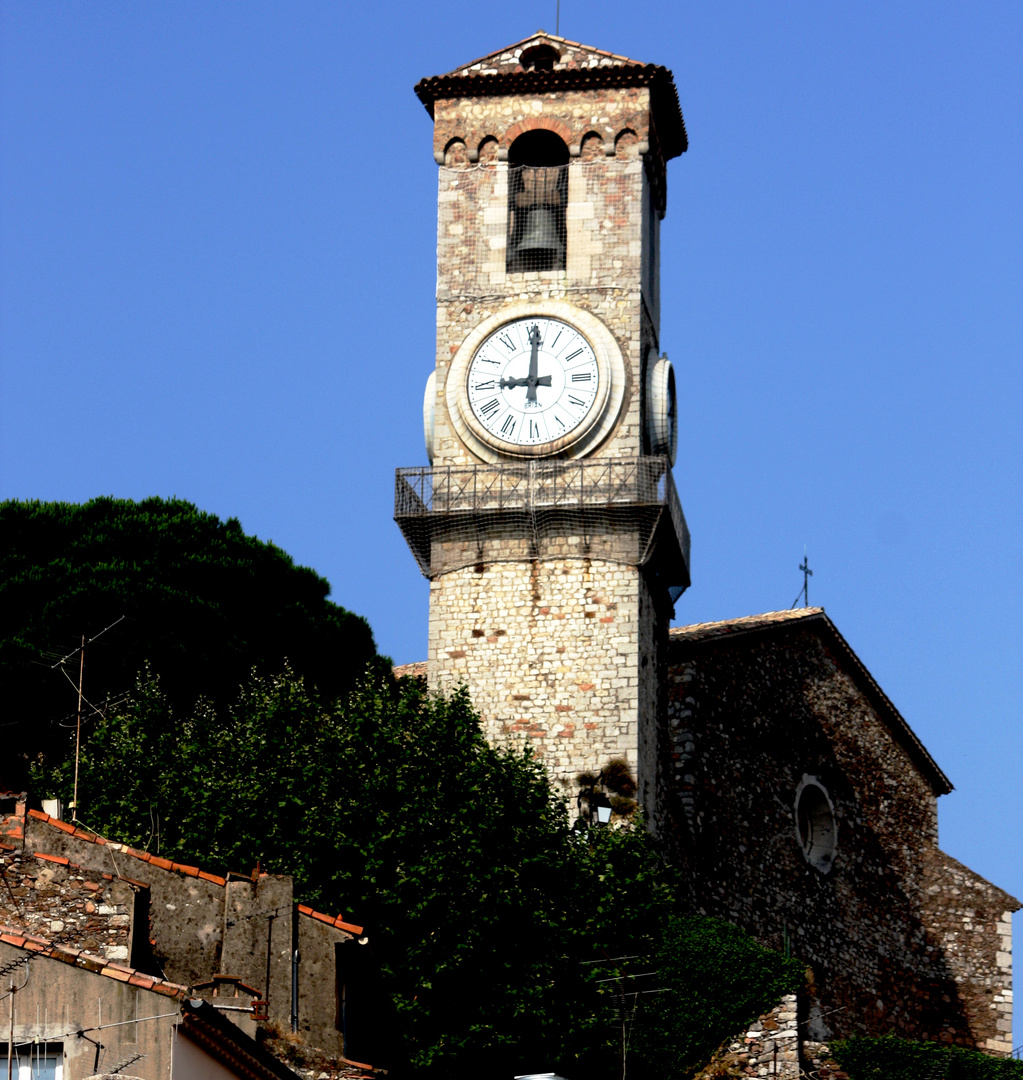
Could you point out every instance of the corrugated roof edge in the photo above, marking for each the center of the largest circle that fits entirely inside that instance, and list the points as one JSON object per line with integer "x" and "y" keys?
{"x": 181, "y": 868}
{"x": 816, "y": 618}
{"x": 11, "y": 935}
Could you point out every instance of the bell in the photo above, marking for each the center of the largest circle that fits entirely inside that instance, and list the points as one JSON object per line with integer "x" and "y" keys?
{"x": 540, "y": 242}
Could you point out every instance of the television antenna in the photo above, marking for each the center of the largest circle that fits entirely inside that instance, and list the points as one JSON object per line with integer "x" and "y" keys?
{"x": 78, "y": 722}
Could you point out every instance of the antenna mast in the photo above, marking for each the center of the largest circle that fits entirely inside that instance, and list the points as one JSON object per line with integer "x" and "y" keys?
{"x": 78, "y": 728}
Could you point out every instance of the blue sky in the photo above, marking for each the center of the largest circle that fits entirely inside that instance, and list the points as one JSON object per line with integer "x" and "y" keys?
{"x": 217, "y": 229}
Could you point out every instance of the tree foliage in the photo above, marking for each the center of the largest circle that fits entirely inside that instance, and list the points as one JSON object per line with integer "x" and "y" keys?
{"x": 495, "y": 919}
{"x": 204, "y": 603}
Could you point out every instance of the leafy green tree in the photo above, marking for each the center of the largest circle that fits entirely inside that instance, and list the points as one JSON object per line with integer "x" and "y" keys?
{"x": 203, "y": 604}
{"x": 495, "y": 920}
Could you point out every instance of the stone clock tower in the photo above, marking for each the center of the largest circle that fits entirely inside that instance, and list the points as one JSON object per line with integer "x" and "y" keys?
{"x": 548, "y": 521}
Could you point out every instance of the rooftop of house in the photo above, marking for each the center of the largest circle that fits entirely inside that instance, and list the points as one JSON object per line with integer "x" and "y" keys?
{"x": 12, "y": 828}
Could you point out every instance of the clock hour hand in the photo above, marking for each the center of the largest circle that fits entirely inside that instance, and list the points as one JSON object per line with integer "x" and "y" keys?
{"x": 543, "y": 380}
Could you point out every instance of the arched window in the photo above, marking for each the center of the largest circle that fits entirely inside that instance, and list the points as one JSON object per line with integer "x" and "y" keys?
{"x": 537, "y": 197}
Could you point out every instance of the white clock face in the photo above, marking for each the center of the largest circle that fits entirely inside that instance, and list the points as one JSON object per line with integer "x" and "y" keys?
{"x": 533, "y": 381}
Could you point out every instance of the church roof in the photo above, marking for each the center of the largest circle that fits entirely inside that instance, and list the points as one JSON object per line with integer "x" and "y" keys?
{"x": 544, "y": 62}
{"x": 815, "y": 619}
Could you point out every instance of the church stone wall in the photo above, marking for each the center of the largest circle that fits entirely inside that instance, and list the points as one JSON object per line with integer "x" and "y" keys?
{"x": 557, "y": 653}
{"x": 897, "y": 942}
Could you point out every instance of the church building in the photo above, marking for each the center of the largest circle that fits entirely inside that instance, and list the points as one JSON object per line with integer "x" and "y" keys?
{"x": 776, "y": 772}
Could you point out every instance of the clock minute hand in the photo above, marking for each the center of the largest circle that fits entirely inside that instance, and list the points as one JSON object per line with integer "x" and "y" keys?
{"x": 534, "y": 359}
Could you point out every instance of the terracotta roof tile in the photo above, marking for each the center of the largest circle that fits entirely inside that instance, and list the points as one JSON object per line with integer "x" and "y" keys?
{"x": 212, "y": 877}
{"x": 331, "y": 920}
{"x": 191, "y": 871}
{"x": 52, "y": 858}
{"x": 111, "y": 969}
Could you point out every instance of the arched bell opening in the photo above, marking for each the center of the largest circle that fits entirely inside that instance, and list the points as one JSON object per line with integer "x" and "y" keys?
{"x": 537, "y": 198}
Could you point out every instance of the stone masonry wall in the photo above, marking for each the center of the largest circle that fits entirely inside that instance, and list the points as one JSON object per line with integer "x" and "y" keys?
{"x": 968, "y": 920}
{"x": 768, "y": 1047}
{"x": 83, "y": 908}
{"x": 553, "y": 652}
{"x": 749, "y": 719}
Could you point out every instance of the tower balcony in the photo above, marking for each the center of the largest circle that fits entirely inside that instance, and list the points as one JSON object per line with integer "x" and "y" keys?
{"x": 619, "y": 510}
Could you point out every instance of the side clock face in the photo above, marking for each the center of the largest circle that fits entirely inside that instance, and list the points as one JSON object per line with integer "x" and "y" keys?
{"x": 533, "y": 381}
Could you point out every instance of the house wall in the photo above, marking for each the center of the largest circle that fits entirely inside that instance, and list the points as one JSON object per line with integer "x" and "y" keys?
{"x": 58, "y": 1000}
{"x": 748, "y": 720}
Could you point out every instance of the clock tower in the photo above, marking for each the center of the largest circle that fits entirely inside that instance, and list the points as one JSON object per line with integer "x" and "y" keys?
{"x": 548, "y": 522}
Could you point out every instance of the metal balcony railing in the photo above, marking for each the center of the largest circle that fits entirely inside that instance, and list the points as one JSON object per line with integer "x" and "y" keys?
{"x": 625, "y": 510}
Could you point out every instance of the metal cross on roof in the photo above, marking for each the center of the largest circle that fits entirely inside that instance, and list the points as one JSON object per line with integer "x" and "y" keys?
{"x": 804, "y": 592}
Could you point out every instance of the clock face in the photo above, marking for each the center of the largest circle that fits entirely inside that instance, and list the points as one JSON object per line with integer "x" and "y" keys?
{"x": 533, "y": 381}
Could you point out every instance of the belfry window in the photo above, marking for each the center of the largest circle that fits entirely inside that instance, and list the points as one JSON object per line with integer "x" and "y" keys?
{"x": 537, "y": 199}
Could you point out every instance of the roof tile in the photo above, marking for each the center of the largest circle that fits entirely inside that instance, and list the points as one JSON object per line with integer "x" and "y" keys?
{"x": 52, "y": 858}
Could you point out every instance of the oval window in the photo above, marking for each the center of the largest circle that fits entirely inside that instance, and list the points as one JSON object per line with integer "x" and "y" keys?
{"x": 816, "y": 829}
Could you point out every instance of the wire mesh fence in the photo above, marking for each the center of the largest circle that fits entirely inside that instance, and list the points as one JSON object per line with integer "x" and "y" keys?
{"x": 620, "y": 510}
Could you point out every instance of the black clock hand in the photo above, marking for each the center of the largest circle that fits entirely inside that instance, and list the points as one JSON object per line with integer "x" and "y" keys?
{"x": 532, "y": 380}
{"x": 534, "y": 358}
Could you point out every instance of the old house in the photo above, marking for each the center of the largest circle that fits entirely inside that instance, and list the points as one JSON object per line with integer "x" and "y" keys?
{"x": 74, "y": 1014}
{"x": 311, "y": 973}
